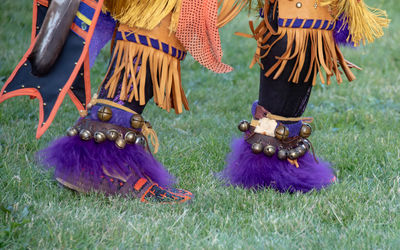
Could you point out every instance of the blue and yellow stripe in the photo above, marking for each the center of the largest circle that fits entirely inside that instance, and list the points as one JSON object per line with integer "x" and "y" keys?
{"x": 84, "y": 16}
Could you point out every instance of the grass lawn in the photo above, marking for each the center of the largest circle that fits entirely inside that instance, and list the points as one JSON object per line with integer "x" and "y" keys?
{"x": 357, "y": 129}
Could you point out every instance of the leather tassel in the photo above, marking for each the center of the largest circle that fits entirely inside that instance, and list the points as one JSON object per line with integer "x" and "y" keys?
{"x": 228, "y": 10}
{"x": 150, "y": 133}
{"x": 131, "y": 61}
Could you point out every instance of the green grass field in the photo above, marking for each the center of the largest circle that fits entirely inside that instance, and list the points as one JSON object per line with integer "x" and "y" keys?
{"x": 357, "y": 129}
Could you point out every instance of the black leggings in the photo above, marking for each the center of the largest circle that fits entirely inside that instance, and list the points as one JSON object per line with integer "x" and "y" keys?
{"x": 134, "y": 105}
{"x": 279, "y": 96}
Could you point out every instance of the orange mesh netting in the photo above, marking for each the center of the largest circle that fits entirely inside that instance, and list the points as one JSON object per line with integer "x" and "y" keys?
{"x": 198, "y": 32}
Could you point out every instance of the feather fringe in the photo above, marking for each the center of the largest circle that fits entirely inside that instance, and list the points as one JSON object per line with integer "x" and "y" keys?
{"x": 143, "y": 14}
{"x": 365, "y": 23}
{"x": 131, "y": 61}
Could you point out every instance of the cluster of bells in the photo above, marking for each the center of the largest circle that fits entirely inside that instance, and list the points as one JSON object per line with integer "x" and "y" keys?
{"x": 105, "y": 114}
{"x": 282, "y": 133}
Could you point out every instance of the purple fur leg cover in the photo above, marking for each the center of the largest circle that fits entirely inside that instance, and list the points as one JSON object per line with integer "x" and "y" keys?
{"x": 84, "y": 163}
{"x": 87, "y": 161}
{"x": 249, "y": 170}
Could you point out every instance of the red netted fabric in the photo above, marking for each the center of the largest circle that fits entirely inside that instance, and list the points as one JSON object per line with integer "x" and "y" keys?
{"x": 197, "y": 31}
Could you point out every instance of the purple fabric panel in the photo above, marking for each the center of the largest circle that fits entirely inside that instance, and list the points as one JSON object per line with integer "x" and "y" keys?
{"x": 294, "y": 128}
{"x": 249, "y": 170}
{"x": 77, "y": 161}
{"x": 341, "y": 32}
{"x": 253, "y": 107}
{"x": 119, "y": 117}
{"x": 101, "y": 36}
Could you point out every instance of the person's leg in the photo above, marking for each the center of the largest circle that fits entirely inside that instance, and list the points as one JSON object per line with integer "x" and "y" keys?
{"x": 108, "y": 151}
{"x": 262, "y": 158}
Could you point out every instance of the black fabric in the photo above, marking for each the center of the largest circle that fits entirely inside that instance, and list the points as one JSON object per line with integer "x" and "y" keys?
{"x": 41, "y": 14}
{"x": 78, "y": 86}
{"x": 281, "y": 97}
{"x": 49, "y": 85}
{"x": 134, "y": 105}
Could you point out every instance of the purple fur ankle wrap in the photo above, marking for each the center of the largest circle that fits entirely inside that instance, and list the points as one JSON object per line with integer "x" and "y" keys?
{"x": 81, "y": 161}
{"x": 249, "y": 170}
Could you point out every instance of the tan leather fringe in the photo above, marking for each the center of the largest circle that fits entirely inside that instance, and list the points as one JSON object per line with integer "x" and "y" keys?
{"x": 143, "y": 14}
{"x": 325, "y": 54}
{"x": 365, "y": 23}
{"x": 165, "y": 75}
{"x": 255, "y": 4}
{"x": 228, "y": 10}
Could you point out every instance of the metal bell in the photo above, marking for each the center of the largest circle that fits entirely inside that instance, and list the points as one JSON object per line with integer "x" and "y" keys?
{"x": 305, "y": 130}
{"x": 140, "y": 141}
{"x": 257, "y": 148}
{"x": 112, "y": 134}
{"x": 269, "y": 150}
{"x": 282, "y": 154}
{"x": 293, "y": 154}
{"x": 130, "y": 137}
{"x": 85, "y": 135}
{"x": 137, "y": 121}
{"x": 281, "y": 132}
{"x": 244, "y": 126}
{"x": 307, "y": 143}
{"x": 104, "y": 113}
{"x": 72, "y": 131}
{"x": 99, "y": 137}
{"x": 120, "y": 143}
{"x": 301, "y": 149}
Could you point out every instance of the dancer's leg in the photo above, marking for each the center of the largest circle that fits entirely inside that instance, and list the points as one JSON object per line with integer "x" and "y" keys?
{"x": 122, "y": 165}
{"x": 261, "y": 158}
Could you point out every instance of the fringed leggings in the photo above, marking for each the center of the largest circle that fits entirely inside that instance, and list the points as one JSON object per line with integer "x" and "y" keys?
{"x": 281, "y": 97}
{"x": 134, "y": 105}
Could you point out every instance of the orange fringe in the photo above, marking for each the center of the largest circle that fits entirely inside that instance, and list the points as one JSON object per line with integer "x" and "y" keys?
{"x": 165, "y": 75}
{"x": 325, "y": 53}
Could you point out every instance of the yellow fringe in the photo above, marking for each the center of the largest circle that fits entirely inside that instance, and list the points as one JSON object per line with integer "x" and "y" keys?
{"x": 175, "y": 16}
{"x": 365, "y": 23}
{"x": 143, "y": 14}
{"x": 228, "y": 10}
{"x": 259, "y": 4}
{"x": 165, "y": 75}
